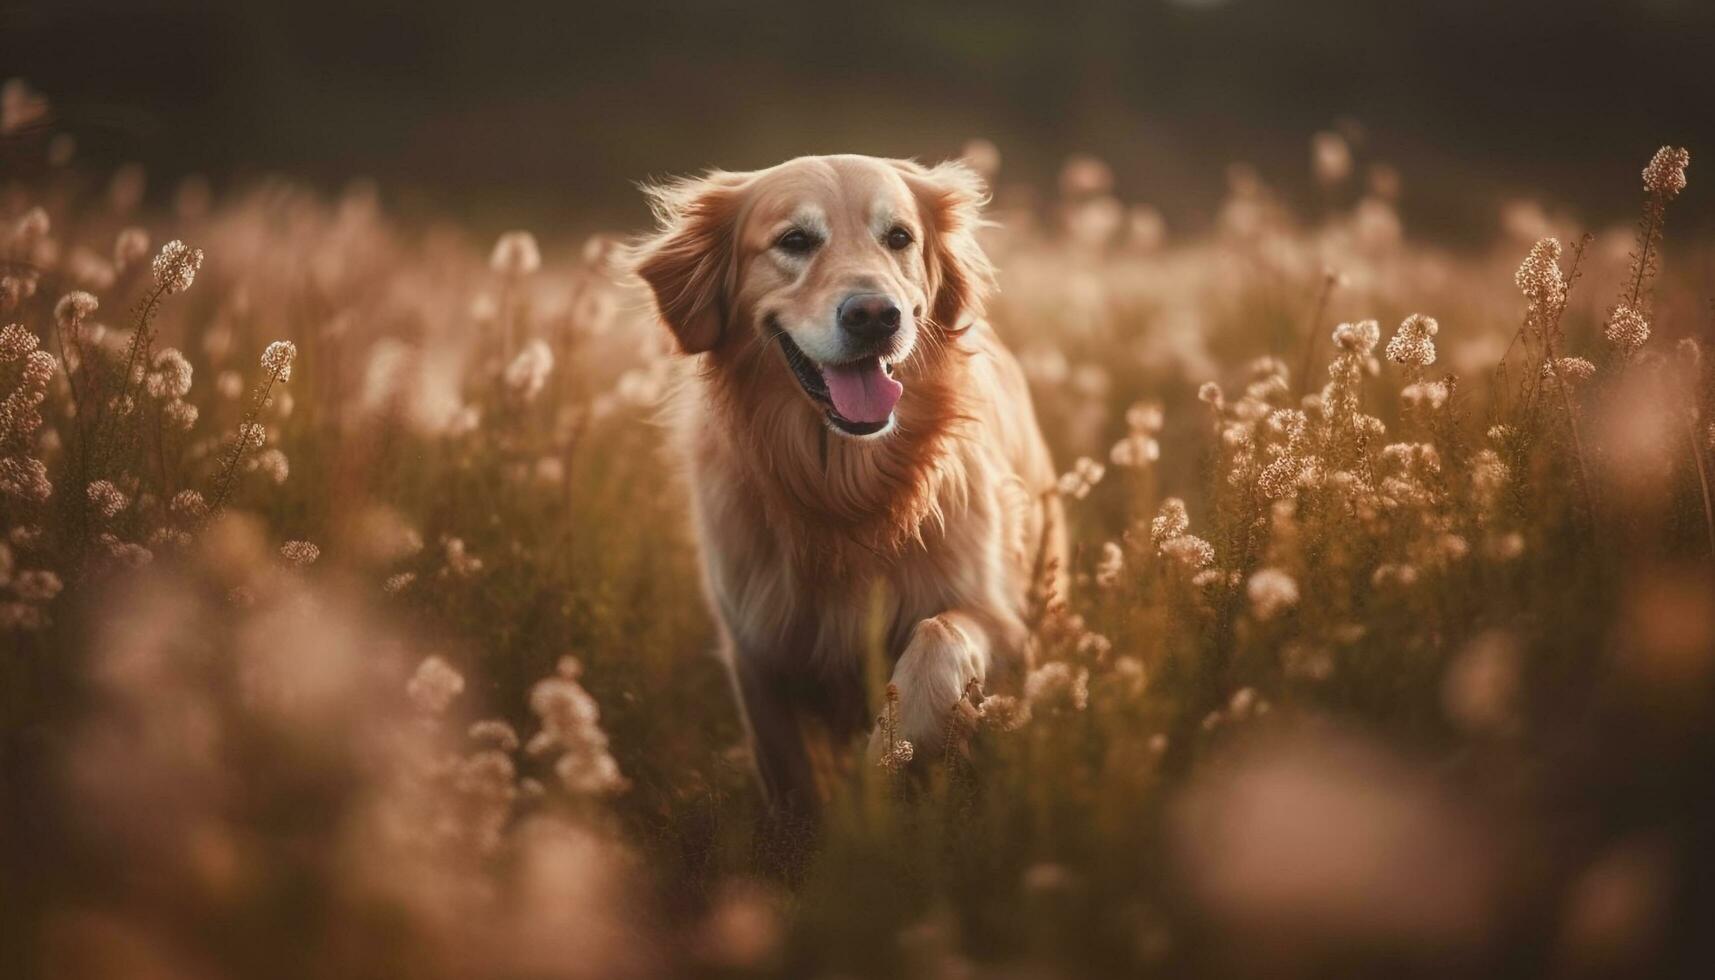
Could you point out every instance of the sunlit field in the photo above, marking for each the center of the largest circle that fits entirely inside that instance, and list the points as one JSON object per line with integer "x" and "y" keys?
{"x": 354, "y": 628}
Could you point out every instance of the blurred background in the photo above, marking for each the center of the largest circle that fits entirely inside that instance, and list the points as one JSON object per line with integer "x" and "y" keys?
{"x": 543, "y": 113}
{"x": 421, "y": 689}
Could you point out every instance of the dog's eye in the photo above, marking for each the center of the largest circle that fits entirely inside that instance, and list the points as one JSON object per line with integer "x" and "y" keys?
{"x": 898, "y": 238}
{"x": 797, "y": 242}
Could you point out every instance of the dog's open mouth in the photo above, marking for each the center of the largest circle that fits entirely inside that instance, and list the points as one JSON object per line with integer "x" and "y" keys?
{"x": 858, "y": 396}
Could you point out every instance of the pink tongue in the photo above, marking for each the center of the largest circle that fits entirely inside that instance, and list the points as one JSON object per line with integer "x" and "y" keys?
{"x": 862, "y": 392}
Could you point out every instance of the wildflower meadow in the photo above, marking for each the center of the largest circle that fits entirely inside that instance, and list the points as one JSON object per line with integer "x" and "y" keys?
{"x": 353, "y": 624}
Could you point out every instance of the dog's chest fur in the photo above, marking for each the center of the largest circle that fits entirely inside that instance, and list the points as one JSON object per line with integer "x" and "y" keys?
{"x": 815, "y": 599}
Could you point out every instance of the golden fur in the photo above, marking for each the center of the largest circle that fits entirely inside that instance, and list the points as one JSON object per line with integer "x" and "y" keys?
{"x": 809, "y": 538}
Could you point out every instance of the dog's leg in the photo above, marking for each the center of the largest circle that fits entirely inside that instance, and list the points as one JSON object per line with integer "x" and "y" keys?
{"x": 946, "y": 652}
{"x": 776, "y": 741}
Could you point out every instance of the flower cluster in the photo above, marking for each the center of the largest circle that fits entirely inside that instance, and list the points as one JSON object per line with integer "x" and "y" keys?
{"x": 1081, "y": 478}
{"x": 176, "y": 266}
{"x": 1665, "y": 174}
{"x": 1138, "y": 448}
{"x": 571, "y": 728}
{"x": 277, "y": 359}
{"x": 1414, "y": 343}
{"x": 1626, "y": 329}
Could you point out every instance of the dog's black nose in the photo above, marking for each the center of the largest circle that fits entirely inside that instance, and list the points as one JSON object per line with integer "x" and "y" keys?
{"x": 869, "y": 316}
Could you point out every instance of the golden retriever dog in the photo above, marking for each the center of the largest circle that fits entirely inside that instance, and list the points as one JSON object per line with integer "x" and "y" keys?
{"x": 865, "y": 465}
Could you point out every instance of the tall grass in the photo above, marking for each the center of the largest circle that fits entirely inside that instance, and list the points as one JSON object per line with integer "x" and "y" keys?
{"x": 354, "y": 628}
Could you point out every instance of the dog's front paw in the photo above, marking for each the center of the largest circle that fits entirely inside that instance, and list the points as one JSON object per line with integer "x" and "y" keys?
{"x": 929, "y": 680}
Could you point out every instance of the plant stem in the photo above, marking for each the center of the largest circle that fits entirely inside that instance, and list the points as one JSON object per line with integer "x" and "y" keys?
{"x": 1646, "y": 241}
{"x": 1316, "y": 314}
{"x": 229, "y": 472}
{"x": 1703, "y": 484}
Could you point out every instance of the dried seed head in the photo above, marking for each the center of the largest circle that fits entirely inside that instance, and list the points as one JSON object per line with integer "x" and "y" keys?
{"x": 1414, "y": 343}
{"x": 74, "y": 307}
{"x": 434, "y": 685}
{"x": 107, "y": 499}
{"x": 1429, "y": 395}
{"x": 1146, "y": 417}
{"x": 25, "y": 478}
{"x": 1573, "y": 370}
{"x": 181, "y": 414}
{"x": 171, "y": 378}
{"x": 898, "y": 757}
{"x": 1357, "y": 338}
{"x": 1057, "y": 684}
{"x": 1004, "y": 712}
{"x": 16, "y": 342}
{"x": 1489, "y": 475}
{"x": 277, "y": 359}
{"x": 1082, "y": 478}
{"x": 39, "y": 366}
{"x": 1189, "y": 550}
{"x": 1110, "y": 566}
{"x": 189, "y": 504}
{"x": 1665, "y": 174}
{"x": 300, "y": 553}
{"x": 1626, "y": 329}
{"x": 1539, "y": 276}
{"x": 273, "y": 464}
{"x": 1286, "y": 475}
{"x": 176, "y": 266}
{"x": 1170, "y": 523}
{"x": 1136, "y": 450}
{"x": 571, "y": 726}
{"x": 1271, "y": 592}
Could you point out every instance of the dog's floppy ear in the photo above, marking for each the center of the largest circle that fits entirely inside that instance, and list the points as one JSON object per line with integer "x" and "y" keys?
{"x": 691, "y": 262}
{"x": 951, "y": 197}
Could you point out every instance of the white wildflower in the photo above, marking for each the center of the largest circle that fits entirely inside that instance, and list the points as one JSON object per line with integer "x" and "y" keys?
{"x": 1414, "y": 344}
{"x": 515, "y": 254}
{"x": 1110, "y": 566}
{"x": 434, "y": 685}
{"x": 1271, "y": 591}
{"x": 1626, "y": 328}
{"x": 277, "y": 359}
{"x": 528, "y": 373}
{"x": 176, "y": 266}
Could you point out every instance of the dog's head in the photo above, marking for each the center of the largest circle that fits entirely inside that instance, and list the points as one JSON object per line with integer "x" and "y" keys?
{"x": 845, "y": 274}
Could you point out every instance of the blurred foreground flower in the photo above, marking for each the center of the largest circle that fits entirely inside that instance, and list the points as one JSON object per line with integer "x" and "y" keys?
{"x": 1314, "y": 842}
